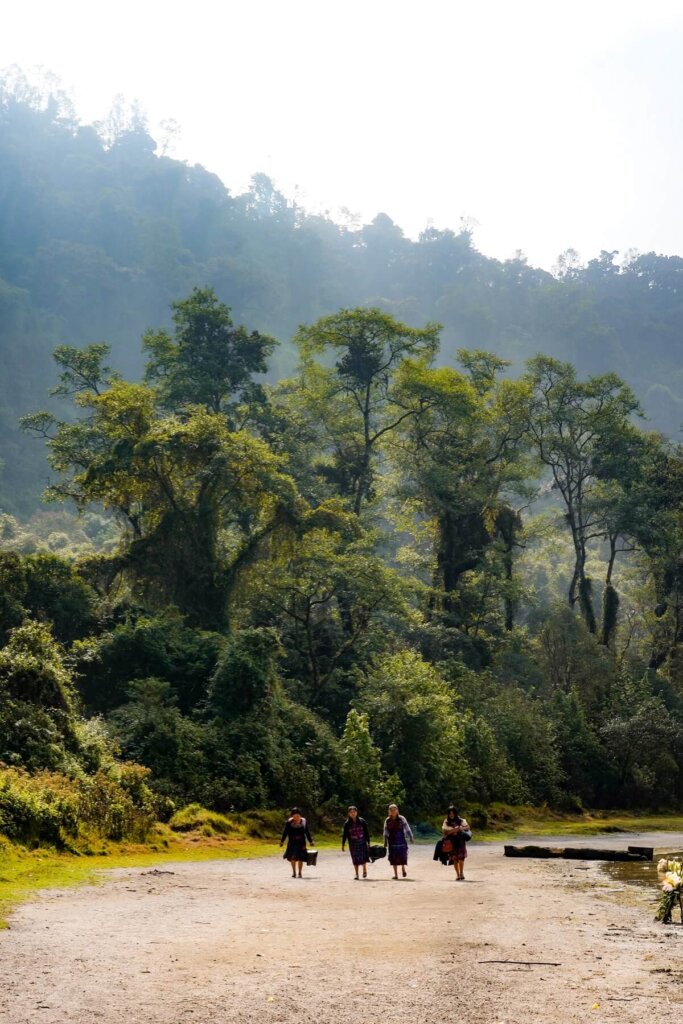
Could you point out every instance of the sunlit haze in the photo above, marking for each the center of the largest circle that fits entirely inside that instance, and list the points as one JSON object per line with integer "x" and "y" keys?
{"x": 546, "y": 125}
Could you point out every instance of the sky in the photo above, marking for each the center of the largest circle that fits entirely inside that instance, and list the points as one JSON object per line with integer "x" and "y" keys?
{"x": 546, "y": 126}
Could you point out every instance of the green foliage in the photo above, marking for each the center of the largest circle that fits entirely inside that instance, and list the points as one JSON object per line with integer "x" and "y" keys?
{"x": 365, "y": 782}
{"x": 193, "y": 818}
{"x": 12, "y": 592}
{"x": 335, "y": 602}
{"x": 355, "y": 402}
{"x": 161, "y": 646}
{"x": 529, "y": 740}
{"x": 48, "y": 588}
{"x": 246, "y": 674}
{"x": 44, "y": 808}
{"x": 38, "y": 808}
{"x": 463, "y": 455}
{"x": 150, "y": 730}
{"x": 57, "y": 594}
{"x": 572, "y": 425}
{"x": 643, "y": 742}
{"x": 194, "y": 496}
{"x": 37, "y": 714}
{"x": 343, "y": 587}
{"x": 413, "y": 720}
{"x": 583, "y": 761}
{"x": 492, "y": 775}
{"x": 210, "y": 362}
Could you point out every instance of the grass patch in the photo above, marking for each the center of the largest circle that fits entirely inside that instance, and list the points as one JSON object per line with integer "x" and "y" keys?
{"x": 196, "y": 818}
{"x": 506, "y": 822}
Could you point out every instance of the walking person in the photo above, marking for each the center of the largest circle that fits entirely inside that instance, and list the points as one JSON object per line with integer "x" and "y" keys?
{"x": 454, "y": 843}
{"x": 296, "y": 832}
{"x": 397, "y": 835}
{"x": 357, "y": 834}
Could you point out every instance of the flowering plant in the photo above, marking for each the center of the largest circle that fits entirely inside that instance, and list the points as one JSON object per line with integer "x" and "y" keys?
{"x": 671, "y": 880}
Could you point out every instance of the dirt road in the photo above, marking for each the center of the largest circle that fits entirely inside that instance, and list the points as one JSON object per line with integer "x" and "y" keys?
{"x": 240, "y": 941}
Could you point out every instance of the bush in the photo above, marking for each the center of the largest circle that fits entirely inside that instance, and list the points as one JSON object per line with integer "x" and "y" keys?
{"x": 38, "y": 723}
{"x": 414, "y": 722}
{"x": 49, "y": 808}
{"x": 38, "y": 809}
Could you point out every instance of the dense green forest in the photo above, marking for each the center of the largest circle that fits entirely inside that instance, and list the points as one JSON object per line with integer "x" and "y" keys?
{"x": 100, "y": 232}
{"x": 400, "y": 555}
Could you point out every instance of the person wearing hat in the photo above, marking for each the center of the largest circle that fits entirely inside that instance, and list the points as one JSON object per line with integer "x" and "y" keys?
{"x": 296, "y": 832}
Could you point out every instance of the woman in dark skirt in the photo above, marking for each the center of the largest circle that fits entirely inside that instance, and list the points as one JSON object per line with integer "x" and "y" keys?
{"x": 397, "y": 834}
{"x": 357, "y": 834}
{"x": 453, "y": 828}
{"x": 296, "y": 833}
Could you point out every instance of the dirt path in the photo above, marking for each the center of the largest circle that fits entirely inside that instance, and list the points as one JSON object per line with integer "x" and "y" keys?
{"x": 240, "y": 941}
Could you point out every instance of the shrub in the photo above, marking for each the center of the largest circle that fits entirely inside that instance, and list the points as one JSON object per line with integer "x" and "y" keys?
{"x": 49, "y": 808}
{"x": 37, "y": 716}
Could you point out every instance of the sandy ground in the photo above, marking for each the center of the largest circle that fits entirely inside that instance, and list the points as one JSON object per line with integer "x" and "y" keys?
{"x": 241, "y": 941}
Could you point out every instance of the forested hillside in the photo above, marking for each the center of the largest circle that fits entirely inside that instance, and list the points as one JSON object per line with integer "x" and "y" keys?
{"x": 333, "y": 588}
{"x": 99, "y": 232}
{"x": 376, "y": 561}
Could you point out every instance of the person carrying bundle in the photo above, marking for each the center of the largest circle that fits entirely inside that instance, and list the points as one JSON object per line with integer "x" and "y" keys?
{"x": 452, "y": 849}
{"x": 296, "y": 832}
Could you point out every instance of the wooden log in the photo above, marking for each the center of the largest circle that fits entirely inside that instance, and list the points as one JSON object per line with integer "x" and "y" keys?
{"x": 579, "y": 853}
{"x": 595, "y": 853}
{"x": 648, "y": 852}
{"x": 534, "y": 851}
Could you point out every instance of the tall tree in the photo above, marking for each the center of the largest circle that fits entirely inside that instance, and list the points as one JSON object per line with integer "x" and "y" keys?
{"x": 208, "y": 361}
{"x": 461, "y": 456}
{"x": 195, "y": 499}
{"x": 570, "y": 423}
{"x": 355, "y": 400}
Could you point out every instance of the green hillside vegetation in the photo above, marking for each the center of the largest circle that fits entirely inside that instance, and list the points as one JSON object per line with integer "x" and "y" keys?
{"x": 334, "y": 587}
{"x": 399, "y": 556}
{"x": 100, "y": 231}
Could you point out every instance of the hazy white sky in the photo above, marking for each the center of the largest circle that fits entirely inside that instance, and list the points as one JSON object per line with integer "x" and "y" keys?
{"x": 551, "y": 124}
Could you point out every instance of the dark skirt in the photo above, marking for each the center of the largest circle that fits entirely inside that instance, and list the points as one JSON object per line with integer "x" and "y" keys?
{"x": 358, "y": 849}
{"x": 296, "y": 849}
{"x": 459, "y": 851}
{"x": 398, "y": 848}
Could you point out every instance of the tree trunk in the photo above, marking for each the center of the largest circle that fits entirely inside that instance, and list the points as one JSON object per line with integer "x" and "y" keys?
{"x": 610, "y": 600}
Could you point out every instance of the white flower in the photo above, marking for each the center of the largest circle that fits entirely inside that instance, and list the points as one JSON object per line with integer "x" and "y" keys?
{"x": 662, "y": 865}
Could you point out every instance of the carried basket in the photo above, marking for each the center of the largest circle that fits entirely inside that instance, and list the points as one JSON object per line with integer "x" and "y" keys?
{"x": 376, "y": 853}
{"x": 311, "y": 858}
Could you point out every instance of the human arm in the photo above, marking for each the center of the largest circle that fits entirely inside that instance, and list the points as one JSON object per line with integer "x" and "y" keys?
{"x": 407, "y": 831}
{"x": 345, "y": 834}
{"x": 307, "y": 832}
{"x": 285, "y": 833}
{"x": 366, "y": 831}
